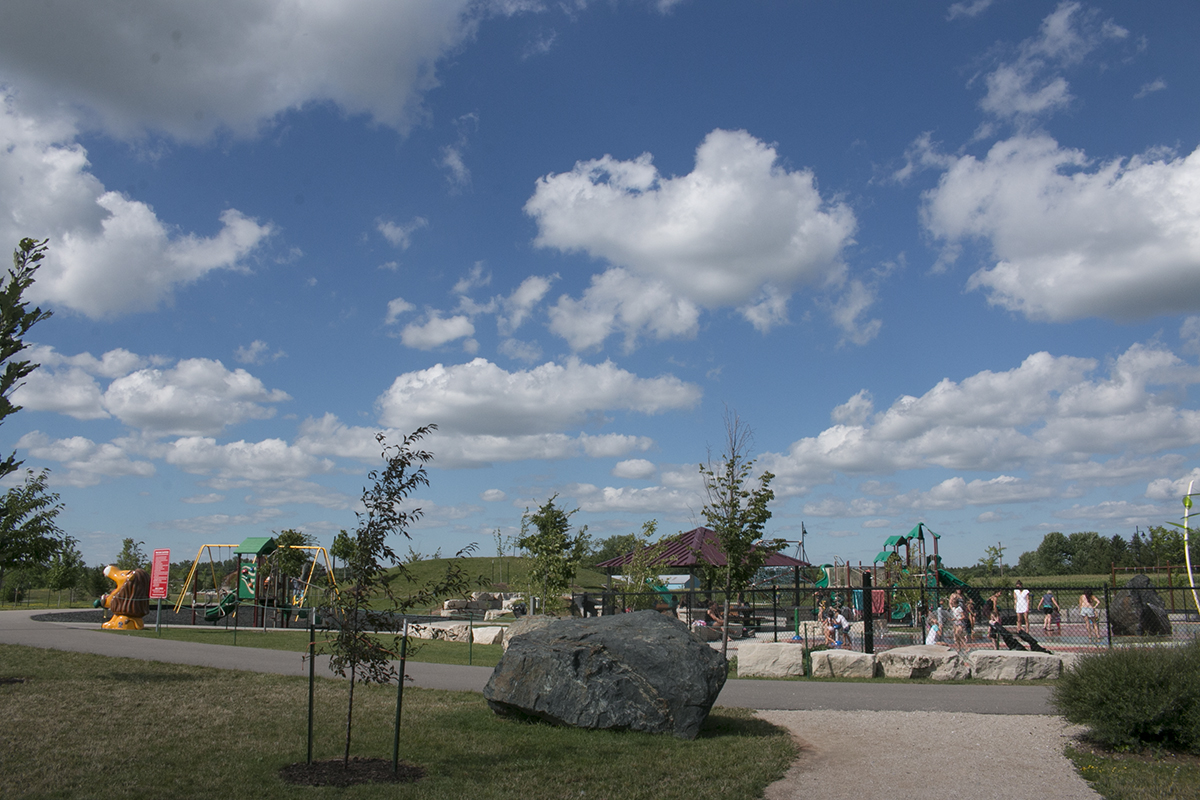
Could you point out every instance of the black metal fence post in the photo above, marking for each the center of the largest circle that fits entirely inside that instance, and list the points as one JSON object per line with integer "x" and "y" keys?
{"x": 312, "y": 659}
{"x": 868, "y": 615}
{"x": 774, "y": 613}
{"x": 1107, "y": 616}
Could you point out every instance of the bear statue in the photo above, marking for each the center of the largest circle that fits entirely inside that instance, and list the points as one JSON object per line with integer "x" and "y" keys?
{"x": 129, "y": 602}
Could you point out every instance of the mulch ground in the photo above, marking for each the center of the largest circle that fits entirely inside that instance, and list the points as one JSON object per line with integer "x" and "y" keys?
{"x": 360, "y": 770}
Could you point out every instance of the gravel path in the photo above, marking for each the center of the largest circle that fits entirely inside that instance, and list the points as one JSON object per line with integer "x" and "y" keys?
{"x": 857, "y": 754}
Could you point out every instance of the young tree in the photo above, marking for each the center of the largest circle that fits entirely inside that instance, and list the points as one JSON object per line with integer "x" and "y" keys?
{"x": 66, "y": 568}
{"x": 736, "y": 512}
{"x": 27, "y": 531}
{"x": 342, "y": 549}
{"x": 15, "y": 321}
{"x": 29, "y": 534}
{"x": 546, "y": 536}
{"x": 993, "y": 558}
{"x": 611, "y": 546}
{"x": 642, "y": 570}
{"x": 132, "y": 556}
{"x": 292, "y": 563}
{"x": 369, "y": 601}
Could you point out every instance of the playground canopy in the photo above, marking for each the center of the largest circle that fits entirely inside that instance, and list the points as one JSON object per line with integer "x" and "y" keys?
{"x": 697, "y": 546}
{"x": 895, "y": 542}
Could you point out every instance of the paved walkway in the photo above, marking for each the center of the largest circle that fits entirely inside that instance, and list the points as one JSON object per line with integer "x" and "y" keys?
{"x": 858, "y": 734}
{"x": 16, "y": 627}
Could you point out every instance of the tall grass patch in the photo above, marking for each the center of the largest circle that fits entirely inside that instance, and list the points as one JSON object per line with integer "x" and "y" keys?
{"x": 1134, "y": 699}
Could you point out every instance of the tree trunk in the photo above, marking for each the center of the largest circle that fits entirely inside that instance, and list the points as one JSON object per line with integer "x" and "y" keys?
{"x": 725, "y": 616}
{"x": 349, "y": 720}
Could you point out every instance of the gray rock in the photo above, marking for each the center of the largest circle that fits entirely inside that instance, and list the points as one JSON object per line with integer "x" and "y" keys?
{"x": 526, "y": 624}
{"x": 770, "y": 660}
{"x": 1015, "y": 665}
{"x": 924, "y": 661}
{"x": 642, "y": 671}
{"x": 842, "y": 664}
{"x": 1137, "y": 610}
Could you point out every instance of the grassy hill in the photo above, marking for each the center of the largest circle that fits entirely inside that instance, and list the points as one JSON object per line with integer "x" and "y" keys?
{"x": 510, "y": 573}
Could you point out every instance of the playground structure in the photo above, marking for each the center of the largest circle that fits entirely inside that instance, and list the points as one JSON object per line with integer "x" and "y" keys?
{"x": 129, "y": 602}
{"x": 258, "y": 579}
{"x": 904, "y": 566}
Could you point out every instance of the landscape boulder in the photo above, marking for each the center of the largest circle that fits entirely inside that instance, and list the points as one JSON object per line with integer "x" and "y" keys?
{"x": 924, "y": 661}
{"x": 443, "y": 631}
{"x": 842, "y": 664}
{"x": 492, "y": 634}
{"x": 1137, "y": 610}
{"x": 524, "y": 625}
{"x": 770, "y": 660}
{"x": 1015, "y": 665}
{"x": 642, "y": 671}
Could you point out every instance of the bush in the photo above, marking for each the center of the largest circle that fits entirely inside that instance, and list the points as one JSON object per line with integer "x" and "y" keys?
{"x": 1132, "y": 699}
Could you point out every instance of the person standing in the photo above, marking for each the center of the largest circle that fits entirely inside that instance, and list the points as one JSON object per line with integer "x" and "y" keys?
{"x": 1088, "y": 609}
{"x": 959, "y": 614}
{"x": 1021, "y": 601}
{"x": 1051, "y": 612}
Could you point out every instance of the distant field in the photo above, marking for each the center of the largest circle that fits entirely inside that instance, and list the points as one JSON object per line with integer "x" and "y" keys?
{"x": 510, "y": 573}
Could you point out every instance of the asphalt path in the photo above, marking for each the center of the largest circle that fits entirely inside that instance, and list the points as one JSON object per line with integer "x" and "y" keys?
{"x": 16, "y": 627}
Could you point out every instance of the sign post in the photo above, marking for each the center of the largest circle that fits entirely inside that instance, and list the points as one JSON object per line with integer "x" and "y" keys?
{"x": 160, "y": 571}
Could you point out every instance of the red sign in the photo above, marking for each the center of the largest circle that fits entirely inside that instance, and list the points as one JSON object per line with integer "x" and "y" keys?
{"x": 160, "y": 569}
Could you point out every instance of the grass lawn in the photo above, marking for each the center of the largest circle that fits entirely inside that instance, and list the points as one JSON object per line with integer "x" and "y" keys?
{"x": 82, "y": 725}
{"x": 1119, "y": 776}
{"x": 426, "y": 650}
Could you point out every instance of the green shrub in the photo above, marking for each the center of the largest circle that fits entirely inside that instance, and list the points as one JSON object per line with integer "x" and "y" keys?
{"x": 1132, "y": 699}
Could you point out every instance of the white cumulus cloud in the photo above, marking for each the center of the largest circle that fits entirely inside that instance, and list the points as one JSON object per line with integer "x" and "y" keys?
{"x": 480, "y": 397}
{"x": 109, "y": 254}
{"x": 1051, "y": 417}
{"x": 1073, "y": 239}
{"x": 190, "y": 70}
{"x": 737, "y": 224}
{"x": 197, "y": 396}
{"x": 86, "y": 462}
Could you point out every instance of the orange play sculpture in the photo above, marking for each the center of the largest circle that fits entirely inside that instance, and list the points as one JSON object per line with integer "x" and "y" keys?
{"x": 130, "y": 601}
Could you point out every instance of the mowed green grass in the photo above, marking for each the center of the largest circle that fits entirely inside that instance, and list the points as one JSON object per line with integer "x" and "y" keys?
{"x": 88, "y": 726}
{"x": 426, "y": 650}
{"x": 1122, "y": 776}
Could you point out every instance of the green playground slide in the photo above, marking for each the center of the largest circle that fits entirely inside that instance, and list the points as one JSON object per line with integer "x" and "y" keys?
{"x": 824, "y": 582}
{"x": 228, "y": 603}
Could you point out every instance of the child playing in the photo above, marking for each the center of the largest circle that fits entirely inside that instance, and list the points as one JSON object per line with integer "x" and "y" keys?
{"x": 994, "y": 627}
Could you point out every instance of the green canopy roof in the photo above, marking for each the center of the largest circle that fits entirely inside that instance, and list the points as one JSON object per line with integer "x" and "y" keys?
{"x": 883, "y": 556}
{"x": 915, "y": 533}
{"x": 257, "y": 545}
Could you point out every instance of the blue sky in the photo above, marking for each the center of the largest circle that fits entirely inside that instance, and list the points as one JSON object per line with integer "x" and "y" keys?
{"x": 943, "y": 259}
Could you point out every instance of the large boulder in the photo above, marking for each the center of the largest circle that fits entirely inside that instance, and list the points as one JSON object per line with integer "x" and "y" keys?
{"x": 642, "y": 671}
{"x": 842, "y": 664}
{"x": 1137, "y": 610}
{"x": 924, "y": 661}
{"x": 525, "y": 625}
{"x": 1015, "y": 665}
{"x": 770, "y": 660}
